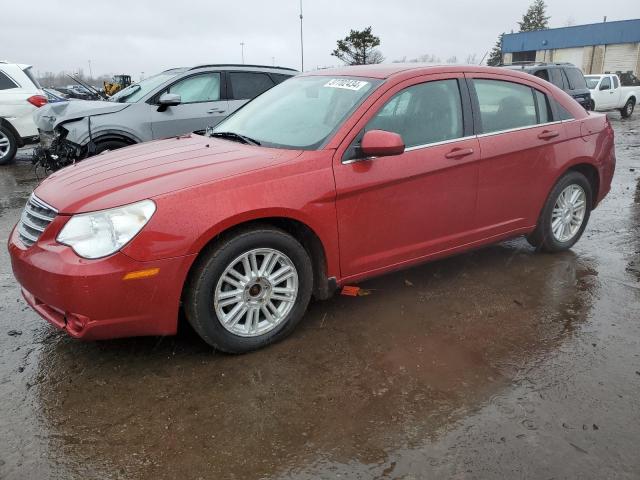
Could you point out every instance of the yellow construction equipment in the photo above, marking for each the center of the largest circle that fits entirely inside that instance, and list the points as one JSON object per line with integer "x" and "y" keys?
{"x": 117, "y": 83}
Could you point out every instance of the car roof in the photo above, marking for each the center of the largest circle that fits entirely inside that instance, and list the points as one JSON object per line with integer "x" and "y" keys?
{"x": 538, "y": 66}
{"x": 389, "y": 70}
{"x": 236, "y": 66}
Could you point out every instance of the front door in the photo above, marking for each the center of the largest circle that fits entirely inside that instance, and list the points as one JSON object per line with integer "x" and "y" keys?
{"x": 397, "y": 209}
{"x": 200, "y": 106}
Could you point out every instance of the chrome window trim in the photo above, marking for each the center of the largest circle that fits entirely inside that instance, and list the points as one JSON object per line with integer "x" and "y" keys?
{"x": 526, "y": 127}
{"x": 434, "y": 144}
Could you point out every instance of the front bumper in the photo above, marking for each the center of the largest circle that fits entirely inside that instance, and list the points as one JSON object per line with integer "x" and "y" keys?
{"x": 89, "y": 299}
{"x": 54, "y": 151}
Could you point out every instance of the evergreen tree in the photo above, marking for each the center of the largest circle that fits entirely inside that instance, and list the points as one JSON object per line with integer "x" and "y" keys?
{"x": 495, "y": 57}
{"x": 359, "y": 48}
{"x": 535, "y": 18}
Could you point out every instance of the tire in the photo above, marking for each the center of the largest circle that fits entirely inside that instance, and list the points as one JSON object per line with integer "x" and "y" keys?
{"x": 109, "y": 145}
{"x": 8, "y": 145}
{"x": 208, "y": 289}
{"x": 627, "y": 110}
{"x": 545, "y": 237}
{"x": 592, "y": 106}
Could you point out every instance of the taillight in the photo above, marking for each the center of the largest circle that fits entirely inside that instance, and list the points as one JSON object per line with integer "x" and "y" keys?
{"x": 38, "y": 100}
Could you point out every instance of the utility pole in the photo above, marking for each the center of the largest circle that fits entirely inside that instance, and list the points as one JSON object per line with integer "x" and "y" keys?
{"x": 242, "y": 46}
{"x": 90, "y": 72}
{"x": 301, "y": 41}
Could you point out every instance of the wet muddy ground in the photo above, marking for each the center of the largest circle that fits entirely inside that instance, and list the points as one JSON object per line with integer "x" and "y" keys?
{"x": 501, "y": 363}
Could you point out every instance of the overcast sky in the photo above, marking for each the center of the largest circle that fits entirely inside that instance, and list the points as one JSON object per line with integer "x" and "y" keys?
{"x": 148, "y": 36}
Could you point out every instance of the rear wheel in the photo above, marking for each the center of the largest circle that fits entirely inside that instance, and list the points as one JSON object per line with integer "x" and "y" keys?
{"x": 249, "y": 291}
{"x": 627, "y": 110}
{"x": 565, "y": 214}
{"x": 8, "y": 145}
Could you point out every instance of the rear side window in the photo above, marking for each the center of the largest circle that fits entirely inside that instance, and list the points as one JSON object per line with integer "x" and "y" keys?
{"x": 422, "y": 114}
{"x": 505, "y": 105}
{"x": 576, "y": 79}
{"x": 6, "y": 83}
{"x": 247, "y": 85}
{"x": 557, "y": 78}
{"x": 543, "y": 74}
{"x": 615, "y": 82}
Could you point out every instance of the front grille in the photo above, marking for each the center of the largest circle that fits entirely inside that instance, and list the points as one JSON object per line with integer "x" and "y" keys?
{"x": 36, "y": 216}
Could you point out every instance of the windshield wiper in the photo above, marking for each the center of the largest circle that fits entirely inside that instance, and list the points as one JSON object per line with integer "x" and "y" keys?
{"x": 235, "y": 137}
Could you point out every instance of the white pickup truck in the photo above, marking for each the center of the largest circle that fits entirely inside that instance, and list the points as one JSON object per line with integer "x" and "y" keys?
{"x": 608, "y": 94}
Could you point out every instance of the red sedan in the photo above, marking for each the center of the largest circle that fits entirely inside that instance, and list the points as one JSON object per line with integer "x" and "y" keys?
{"x": 327, "y": 179}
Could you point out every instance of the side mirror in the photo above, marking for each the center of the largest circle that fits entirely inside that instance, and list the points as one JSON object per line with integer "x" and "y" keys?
{"x": 380, "y": 143}
{"x": 168, "y": 100}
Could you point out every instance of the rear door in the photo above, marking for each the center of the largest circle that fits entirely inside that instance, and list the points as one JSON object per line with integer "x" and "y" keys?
{"x": 396, "y": 209}
{"x": 203, "y": 105}
{"x": 245, "y": 86}
{"x": 519, "y": 142}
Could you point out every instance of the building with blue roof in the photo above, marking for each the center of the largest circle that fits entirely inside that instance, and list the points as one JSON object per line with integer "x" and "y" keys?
{"x": 595, "y": 48}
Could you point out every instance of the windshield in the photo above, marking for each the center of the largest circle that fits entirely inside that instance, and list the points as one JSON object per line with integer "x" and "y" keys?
{"x": 299, "y": 113}
{"x": 592, "y": 82}
{"x": 135, "y": 92}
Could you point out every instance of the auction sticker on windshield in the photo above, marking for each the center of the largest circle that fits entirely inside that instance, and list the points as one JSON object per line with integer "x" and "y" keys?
{"x": 345, "y": 83}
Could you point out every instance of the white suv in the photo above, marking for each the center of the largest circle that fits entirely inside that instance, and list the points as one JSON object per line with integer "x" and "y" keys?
{"x": 20, "y": 96}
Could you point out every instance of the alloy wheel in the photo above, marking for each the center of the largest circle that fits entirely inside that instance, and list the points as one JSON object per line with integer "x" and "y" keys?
{"x": 568, "y": 213}
{"x": 5, "y": 145}
{"x": 256, "y": 292}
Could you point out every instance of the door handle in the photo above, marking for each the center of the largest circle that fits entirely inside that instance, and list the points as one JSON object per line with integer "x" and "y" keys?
{"x": 547, "y": 134}
{"x": 459, "y": 153}
{"x": 215, "y": 110}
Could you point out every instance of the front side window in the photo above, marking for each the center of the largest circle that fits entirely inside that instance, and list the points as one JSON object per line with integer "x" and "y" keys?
{"x": 422, "y": 114}
{"x": 137, "y": 91}
{"x": 300, "y": 113}
{"x": 605, "y": 84}
{"x": 504, "y": 105}
{"x": 247, "y": 85}
{"x": 6, "y": 83}
{"x": 199, "y": 88}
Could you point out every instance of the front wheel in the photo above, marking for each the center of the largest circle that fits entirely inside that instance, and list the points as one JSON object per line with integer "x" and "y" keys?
{"x": 627, "y": 110}
{"x": 565, "y": 214}
{"x": 249, "y": 291}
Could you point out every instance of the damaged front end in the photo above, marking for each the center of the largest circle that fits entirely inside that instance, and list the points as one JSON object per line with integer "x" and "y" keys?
{"x": 54, "y": 151}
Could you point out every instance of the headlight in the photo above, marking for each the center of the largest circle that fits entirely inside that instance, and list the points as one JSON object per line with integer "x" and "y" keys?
{"x": 98, "y": 234}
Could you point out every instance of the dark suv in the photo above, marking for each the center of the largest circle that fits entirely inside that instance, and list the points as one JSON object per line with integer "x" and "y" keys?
{"x": 566, "y": 76}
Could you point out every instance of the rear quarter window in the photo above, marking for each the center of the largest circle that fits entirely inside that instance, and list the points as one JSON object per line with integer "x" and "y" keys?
{"x": 34, "y": 80}
{"x": 6, "y": 83}
{"x": 279, "y": 77}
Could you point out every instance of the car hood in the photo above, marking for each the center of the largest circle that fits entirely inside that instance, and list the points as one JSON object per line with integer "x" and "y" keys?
{"x": 150, "y": 169}
{"x": 51, "y": 115}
